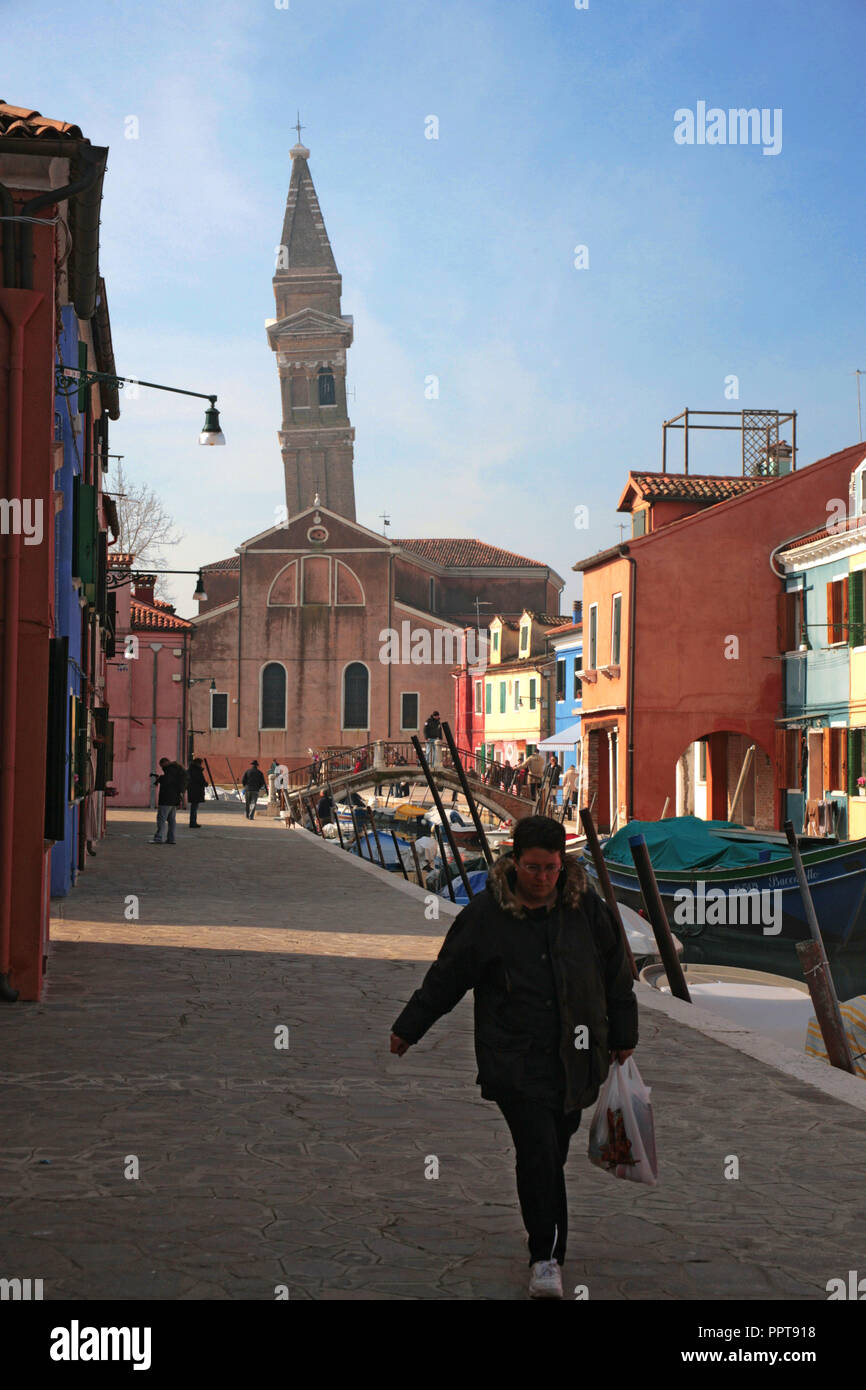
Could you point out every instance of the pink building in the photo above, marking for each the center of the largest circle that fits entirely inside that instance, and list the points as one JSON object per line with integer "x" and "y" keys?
{"x": 147, "y": 685}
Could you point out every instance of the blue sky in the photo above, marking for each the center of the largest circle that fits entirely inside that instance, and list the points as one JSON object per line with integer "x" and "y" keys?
{"x": 556, "y": 129}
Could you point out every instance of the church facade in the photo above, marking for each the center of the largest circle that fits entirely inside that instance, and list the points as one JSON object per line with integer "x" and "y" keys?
{"x": 320, "y": 633}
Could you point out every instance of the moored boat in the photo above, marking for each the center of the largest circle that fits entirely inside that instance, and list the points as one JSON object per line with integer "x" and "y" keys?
{"x": 733, "y": 898}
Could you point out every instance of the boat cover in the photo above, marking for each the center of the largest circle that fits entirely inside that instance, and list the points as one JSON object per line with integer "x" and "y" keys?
{"x": 681, "y": 843}
{"x": 853, "y": 1013}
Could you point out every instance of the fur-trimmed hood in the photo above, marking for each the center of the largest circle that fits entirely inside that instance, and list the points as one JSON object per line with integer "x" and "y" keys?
{"x": 571, "y": 886}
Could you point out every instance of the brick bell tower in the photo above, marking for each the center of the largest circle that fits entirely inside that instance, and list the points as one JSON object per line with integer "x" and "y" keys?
{"x": 310, "y": 337}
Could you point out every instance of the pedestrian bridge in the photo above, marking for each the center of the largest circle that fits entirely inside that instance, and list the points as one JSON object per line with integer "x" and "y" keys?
{"x": 339, "y": 774}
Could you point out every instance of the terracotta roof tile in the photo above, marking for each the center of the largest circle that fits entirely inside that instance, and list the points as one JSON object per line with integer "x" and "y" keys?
{"x": 20, "y": 121}
{"x": 851, "y": 523}
{"x": 147, "y": 617}
{"x": 681, "y": 487}
{"x": 232, "y": 563}
{"x": 461, "y": 552}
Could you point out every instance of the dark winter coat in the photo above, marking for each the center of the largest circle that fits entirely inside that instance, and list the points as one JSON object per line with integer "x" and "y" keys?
{"x": 172, "y": 785}
{"x": 433, "y": 728}
{"x": 196, "y": 787}
{"x": 493, "y": 948}
{"x": 253, "y": 779}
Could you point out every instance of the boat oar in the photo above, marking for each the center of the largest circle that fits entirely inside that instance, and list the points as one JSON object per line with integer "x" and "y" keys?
{"x": 399, "y": 855}
{"x": 816, "y": 968}
{"x": 376, "y": 837}
{"x": 658, "y": 917}
{"x": 446, "y": 824}
{"x": 470, "y": 799}
{"x": 445, "y": 869}
{"x": 604, "y": 879}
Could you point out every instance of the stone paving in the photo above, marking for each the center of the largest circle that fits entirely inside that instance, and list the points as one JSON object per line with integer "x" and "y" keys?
{"x": 303, "y": 1168}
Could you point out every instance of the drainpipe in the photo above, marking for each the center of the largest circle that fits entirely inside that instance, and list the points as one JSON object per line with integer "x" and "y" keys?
{"x": 17, "y": 307}
{"x": 156, "y": 648}
{"x": 629, "y": 714}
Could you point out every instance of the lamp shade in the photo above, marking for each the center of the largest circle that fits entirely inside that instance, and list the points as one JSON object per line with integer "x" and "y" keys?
{"x": 198, "y": 591}
{"x": 211, "y": 432}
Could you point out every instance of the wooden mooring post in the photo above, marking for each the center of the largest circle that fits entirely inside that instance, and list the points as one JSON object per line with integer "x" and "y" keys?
{"x": 604, "y": 879}
{"x": 658, "y": 918}
{"x": 816, "y": 969}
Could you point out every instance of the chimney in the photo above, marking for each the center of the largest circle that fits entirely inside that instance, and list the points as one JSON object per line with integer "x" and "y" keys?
{"x": 143, "y": 586}
{"x": 577, "y": 611}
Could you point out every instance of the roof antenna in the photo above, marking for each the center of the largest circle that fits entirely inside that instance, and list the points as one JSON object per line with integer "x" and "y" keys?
{"x": 385, "y": 520}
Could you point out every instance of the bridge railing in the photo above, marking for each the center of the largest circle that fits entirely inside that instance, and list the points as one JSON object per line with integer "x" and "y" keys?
{"x": 390, "y": 754}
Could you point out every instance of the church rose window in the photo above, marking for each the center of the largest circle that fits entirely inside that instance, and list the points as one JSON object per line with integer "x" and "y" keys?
{"x": 327, "y": 394}
{"x": 356, "y": 692}
{"x": 273, "y": 696}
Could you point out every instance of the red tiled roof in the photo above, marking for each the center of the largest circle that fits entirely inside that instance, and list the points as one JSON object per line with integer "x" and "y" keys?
{"x": 21, "y": 121}
{"x": 232, "y": 563}
{"x": 681, "y": 487}
{"x": 151, "y": 618}
{"x": 460, "y": 552}
{"x": 566, "y": 627}
{"x": 851, "y": 523}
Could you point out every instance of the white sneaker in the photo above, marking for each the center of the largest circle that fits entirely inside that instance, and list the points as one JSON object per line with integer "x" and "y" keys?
{"x": 545, "y": 1280}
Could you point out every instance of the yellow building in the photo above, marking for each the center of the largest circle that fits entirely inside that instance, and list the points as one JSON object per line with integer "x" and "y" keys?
{"x": 518, "y": 703}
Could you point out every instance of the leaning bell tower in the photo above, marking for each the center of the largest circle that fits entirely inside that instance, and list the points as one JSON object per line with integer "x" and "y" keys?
{"x": 310, "y": 336}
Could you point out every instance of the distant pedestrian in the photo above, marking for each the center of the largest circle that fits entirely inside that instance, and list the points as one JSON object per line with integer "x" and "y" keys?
{"x": 172, "y": 784}
{"x": 195, "y": 791}
{"x": 546, "y": 960}
{"x": 568, "y": 789}
{"x": 433, "y": 733}
{"x": 325, "y": 809}
{"x": 507, "y": 776}
{"x": 253, "y": 782}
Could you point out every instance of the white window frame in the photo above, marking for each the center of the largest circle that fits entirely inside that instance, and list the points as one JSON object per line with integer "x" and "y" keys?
{"x": 405, "y": 728}
{"x": 219, "y": 728}
{"x": 613, "y": 599}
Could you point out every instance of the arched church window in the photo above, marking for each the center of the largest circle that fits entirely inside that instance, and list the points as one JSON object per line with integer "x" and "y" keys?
{"x": 356, "y": 696}
{"x": 273, "y": 696}
{"x": 327, "y": 390}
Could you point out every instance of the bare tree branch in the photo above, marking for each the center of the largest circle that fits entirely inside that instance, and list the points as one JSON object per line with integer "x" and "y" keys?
{"x": 146, "y": 527}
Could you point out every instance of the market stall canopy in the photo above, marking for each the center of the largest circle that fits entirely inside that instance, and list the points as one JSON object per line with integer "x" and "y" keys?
{"x": 566, "y": 738}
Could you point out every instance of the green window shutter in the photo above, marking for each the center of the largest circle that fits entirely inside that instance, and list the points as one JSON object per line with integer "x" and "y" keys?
{"x": 502, "y": 697}
{"x": 532, "y": 693}
{"x": 85, "y": 537}
{"x": 855, "y": 608}
{"x": 617, "y": 618}
{"x": 488, "y": 697}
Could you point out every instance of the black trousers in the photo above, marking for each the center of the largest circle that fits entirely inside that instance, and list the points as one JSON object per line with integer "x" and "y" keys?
{"x": 541, "y": 1135}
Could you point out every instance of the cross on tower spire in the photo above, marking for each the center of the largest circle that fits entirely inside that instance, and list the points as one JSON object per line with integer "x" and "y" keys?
{"x": 299, "y": 127}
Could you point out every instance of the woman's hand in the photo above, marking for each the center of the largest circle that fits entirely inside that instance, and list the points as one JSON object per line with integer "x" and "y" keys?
{"x": 621, "y": 1054}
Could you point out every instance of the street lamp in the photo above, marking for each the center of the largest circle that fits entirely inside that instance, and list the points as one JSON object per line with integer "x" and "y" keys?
{"x": 65, "y": 383}
{"x": 197, "y": 680}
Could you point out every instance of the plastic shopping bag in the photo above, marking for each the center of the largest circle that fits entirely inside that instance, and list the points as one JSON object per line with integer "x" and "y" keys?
{"x": 622, "y": 1134}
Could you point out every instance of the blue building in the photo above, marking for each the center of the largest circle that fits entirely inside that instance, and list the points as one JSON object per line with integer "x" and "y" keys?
{"x": 565, "y": 644}
{"x": 821, "y": 635}
{"x": 82, "y": 605}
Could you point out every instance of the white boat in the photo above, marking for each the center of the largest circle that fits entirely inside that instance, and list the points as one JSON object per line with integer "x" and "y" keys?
{"x": 772, "y": 1005}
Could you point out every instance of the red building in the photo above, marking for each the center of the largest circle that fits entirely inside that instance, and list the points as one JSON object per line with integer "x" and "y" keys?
{"x": 147, "y": 685}
{"x": 53, "y": 721}
{"x": 682, "y": 666}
